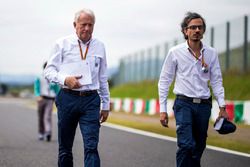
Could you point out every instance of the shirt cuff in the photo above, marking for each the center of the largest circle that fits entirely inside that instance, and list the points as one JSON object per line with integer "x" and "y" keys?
{"x": 105, "y": 106}
{"x": 61, "y": 79}
{"x": 221, "y": 102}
{"x": 163, "y": 108}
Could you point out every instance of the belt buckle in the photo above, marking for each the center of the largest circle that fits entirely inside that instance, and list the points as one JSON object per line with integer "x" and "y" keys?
{"x": 82, "y": 93}
{"x": 195, "y": 100}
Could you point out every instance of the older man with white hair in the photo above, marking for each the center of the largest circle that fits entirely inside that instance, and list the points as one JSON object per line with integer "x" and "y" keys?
{"x": 78, "y": 63}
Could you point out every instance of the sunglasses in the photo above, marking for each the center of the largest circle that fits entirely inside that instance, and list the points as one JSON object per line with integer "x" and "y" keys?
{"x": 194, "y": 27}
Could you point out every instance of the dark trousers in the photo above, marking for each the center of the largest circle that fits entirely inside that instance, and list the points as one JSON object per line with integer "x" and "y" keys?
{"x": 74, "y": 109}
{"x": 192, "y": 121}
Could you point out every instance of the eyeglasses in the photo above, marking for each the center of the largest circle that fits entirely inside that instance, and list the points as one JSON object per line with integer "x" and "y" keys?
{"x": 194, "y": 27}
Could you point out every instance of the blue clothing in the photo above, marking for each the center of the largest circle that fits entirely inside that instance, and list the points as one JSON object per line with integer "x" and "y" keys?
{"x": 192, "y": 121}
{"x": 42, "y": 87}
{"x": 71, "y": 110}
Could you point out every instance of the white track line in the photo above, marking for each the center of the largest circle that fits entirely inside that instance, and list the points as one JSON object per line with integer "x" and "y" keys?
{"x": 154, "y": 135}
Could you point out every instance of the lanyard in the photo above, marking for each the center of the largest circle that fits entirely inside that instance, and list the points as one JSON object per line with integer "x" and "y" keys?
{"x": 203, "y": 64}
{"x": 86, "y": 51}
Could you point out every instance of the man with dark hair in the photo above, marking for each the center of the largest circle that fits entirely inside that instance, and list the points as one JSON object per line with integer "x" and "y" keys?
{"x": 193, "y": 65}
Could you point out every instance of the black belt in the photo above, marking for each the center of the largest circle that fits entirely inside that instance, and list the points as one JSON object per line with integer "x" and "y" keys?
{"x": 80, "y": 93}
{"x": 195, "y": 100}
{"x": 48, "y": 98}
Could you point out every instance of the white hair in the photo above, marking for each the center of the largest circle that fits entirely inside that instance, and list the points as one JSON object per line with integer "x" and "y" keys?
{"x": 86, "y": 11}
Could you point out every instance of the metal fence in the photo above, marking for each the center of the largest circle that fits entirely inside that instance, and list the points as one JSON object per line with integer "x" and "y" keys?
{"x": 231, "y": 40}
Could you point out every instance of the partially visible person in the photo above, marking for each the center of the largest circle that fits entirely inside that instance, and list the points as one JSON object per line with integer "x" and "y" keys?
{"x": 194, "y": 66}
{"x": 45, "y": 93}
{"x": 78, "y": 63}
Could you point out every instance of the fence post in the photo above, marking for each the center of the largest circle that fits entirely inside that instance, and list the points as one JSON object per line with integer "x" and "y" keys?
{"x": 212, "y": 37}
{"x": 143, "y": 65}
{"x": 118, "y": 79}
{"x": 227, "y": 46}
{"x": 157, "y": 57}
{"x": 126, "y": 72}
{"x": 149, "y": 64}
{"x": 165, "y": 49}
{"x": 128, "y": 69}
{"x": 132, "y": 68}
{"x": 135, "y": 66}
{"x": 245, "y": 54}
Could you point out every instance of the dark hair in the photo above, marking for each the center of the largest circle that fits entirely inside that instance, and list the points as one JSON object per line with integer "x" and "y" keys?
{"x": 44, "y": 65}
{"x": 190, "y": 16}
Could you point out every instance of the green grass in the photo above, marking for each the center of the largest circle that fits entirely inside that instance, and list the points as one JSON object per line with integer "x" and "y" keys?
{"x": 155, "y": 128}
{"x": 237, "y": 87}
{"x": 145, "y": 90}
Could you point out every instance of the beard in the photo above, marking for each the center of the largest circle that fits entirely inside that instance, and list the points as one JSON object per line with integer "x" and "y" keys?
{"x": 196, "y": 37}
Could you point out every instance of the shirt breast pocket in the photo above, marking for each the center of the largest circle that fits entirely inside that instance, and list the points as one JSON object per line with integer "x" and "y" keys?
{"x": 95, "y": 61}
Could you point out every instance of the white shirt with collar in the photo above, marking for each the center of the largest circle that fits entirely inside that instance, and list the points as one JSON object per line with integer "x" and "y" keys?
{"x": 190, "y": 80}
{"x": 66, "y": 50}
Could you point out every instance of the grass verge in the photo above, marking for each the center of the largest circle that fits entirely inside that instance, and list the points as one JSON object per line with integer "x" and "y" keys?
{"x": 238, "y": 141}
{"x": 236, "y": 88}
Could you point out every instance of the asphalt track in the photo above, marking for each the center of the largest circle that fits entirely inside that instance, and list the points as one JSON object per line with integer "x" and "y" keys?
{"x": 19, "y": 146}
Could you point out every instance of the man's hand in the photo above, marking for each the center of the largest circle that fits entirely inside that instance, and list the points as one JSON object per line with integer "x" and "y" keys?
{"x": 72, "y": 82}
{"x": 39, "y": 98}
{"x": 104, "y": 115}
{"x": 223, "y": 113}
{"x": 164, "y": 119}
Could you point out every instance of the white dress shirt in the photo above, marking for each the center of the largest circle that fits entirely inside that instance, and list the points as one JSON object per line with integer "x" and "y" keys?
{"x": 66, "y": 50}
{"x": 190, "y": 80}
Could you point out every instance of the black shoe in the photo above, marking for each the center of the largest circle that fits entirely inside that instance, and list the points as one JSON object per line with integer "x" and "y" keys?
{"x": 48, "y": 138}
